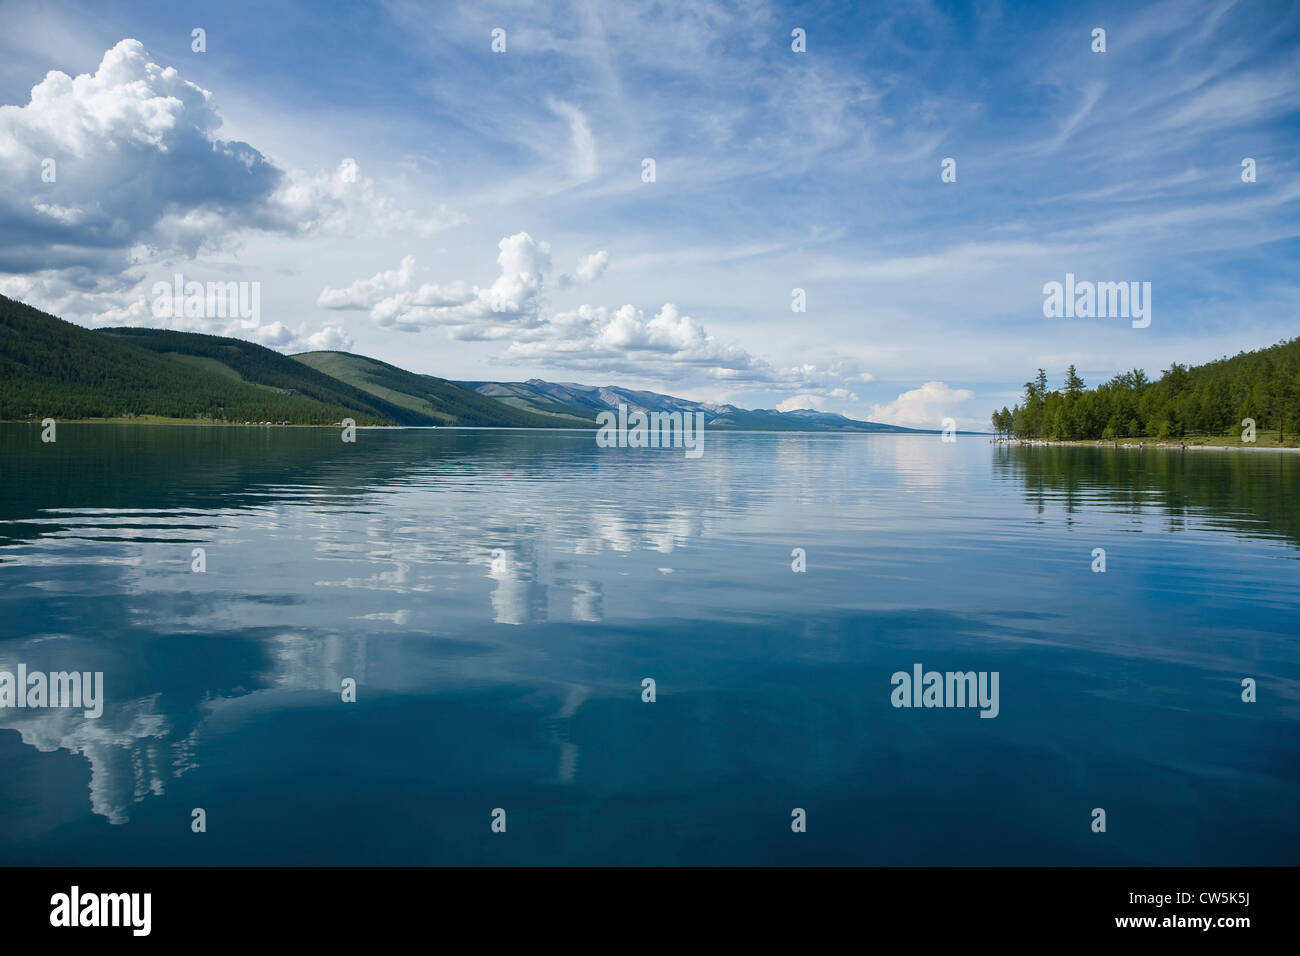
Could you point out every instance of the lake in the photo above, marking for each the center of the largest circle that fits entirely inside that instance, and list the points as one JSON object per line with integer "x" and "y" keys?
{"x": 499, "y": 597}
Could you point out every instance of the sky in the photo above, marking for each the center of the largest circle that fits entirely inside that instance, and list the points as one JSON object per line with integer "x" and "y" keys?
{"x": 397, "y": 188}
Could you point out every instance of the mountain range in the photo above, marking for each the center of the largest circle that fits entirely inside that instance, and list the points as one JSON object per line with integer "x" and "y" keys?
{"x": 53, "y": 368}
{"x": 568, "y": 399}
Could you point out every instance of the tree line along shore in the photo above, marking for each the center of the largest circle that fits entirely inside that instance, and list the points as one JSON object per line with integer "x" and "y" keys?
{"x": 1249, "y": 400}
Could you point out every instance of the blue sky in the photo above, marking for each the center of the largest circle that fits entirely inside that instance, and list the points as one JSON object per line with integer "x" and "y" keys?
{"x": 399, "y": 189}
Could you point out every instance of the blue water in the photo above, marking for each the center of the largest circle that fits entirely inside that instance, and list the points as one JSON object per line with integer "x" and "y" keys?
{"x": 499, "y": 596}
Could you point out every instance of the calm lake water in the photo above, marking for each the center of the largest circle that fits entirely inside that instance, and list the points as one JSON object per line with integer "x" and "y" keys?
{"x": 499, "y": 596}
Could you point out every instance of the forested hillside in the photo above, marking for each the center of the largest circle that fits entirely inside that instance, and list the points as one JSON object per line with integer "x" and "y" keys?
{"x": 52, "y": 368}
{"x": 258, "y": 365}
{"x": 55, "y": 369}
{"x": 1210, "y": 400}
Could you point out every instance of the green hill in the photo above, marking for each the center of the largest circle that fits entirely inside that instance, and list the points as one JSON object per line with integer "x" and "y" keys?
{"x": 436, "y": 398}
{"x": 52, "y": 368}
{"x": 257, "y": 365}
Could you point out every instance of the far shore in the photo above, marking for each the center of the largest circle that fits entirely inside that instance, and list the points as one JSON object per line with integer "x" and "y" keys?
{"x": 1266, "y": 441}
{"x": 1192, "y": 443}
{"x": 728, "y": 429}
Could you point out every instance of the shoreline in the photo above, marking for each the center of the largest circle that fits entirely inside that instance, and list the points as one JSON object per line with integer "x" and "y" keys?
{"x": 718, "y": 429}
{"x": 1143, "y": 444}
{"x": 163, "y": 420}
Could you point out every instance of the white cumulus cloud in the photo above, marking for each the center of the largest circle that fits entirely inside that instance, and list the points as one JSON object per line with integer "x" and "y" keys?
{"x": 666, "y": 344}
{"x": 797, "y": 402}
{"x": 924, "y": 407}
{"x": 590, "y": 268}
{"x": 108, "y": 174}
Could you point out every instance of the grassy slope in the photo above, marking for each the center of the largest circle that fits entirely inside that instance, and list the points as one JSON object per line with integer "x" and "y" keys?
{"x": 258, "y": 365}
{"x": 205, "y": 363}
{"x": 525, "y": 398}
{"x": 52, "y": 368}
{"x": 424, "y": 394}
